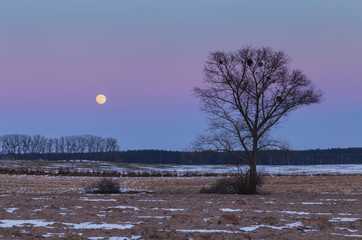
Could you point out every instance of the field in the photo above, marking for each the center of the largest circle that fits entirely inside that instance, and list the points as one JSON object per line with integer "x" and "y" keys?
{"x": 287, "y": 207}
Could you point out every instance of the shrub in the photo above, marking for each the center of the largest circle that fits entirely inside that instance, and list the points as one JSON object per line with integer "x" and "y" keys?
{"x": 233, "y": 185}
{"x": 102, "y": 186}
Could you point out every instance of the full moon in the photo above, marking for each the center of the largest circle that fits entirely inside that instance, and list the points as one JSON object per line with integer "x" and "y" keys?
{"x": 101, "y": 99}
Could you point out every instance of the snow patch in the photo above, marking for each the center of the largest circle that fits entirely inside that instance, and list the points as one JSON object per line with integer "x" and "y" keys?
{"x": 97, "y": 200}
{"x": 116, "y": 238}
{"x": 173, "y": 209}
{"x": 349, "y": 230}
{"x": 157, "y": 217}
{"x": 348, "y": 235}
{"x": 339, "y": 219}
{"x": 106, "y": 226}
{"x": 335, "y": 200}
{"x": 151, "y": 200}
{"x": 230, "y": 210}
{"x": 41, "y": 198}
{"x": 61, "y": 235}
{"x": 10, "y": 210}
{"x": 206, "y": 231}
{"x": 126, "y": 207}
{"x": 289, "y": 225}
{"x": 8, "y": 223}
{"x": 294, "y": 212}
{"x": 311, "y": 203}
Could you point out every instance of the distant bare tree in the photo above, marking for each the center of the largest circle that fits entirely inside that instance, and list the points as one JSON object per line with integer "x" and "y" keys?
{"x": 91, "y": 143}
{"x": 99, "y": 144}
{"x": 36, "y": 141}
{"x": 49, "y": 145}
{"x": 247, "y": 93}
{"x": 25, "y": 143}
{"x": 111, "y": 144}
{"x": 70, "y": 144}
{"x": 7, "y": 144}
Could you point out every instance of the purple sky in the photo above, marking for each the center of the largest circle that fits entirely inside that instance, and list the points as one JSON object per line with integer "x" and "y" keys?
{"x": 146, "y": 56}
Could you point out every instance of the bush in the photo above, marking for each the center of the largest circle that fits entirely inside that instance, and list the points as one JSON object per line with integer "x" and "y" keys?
{"x": 239, "y": 184}
{"x": 102, "y": 186}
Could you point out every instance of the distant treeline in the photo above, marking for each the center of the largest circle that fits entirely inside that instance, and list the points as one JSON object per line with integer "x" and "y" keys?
{"x": 89, "y": 147}
{"x": 17, "y": 145}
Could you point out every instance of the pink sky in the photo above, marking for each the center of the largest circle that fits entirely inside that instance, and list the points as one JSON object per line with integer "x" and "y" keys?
{"x": 147, "y": 56}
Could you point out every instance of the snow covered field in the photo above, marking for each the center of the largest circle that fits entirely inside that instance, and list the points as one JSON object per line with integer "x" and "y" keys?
{"x": 336, "y": 169}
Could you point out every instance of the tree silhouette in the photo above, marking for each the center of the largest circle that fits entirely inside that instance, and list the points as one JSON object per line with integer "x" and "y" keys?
{"x": 247, "y": 93}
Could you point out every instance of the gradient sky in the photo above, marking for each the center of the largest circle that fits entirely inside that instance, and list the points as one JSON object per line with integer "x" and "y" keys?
{"x": 146, "y": 56}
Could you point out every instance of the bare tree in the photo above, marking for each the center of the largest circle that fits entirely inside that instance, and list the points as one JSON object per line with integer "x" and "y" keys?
{"x": 247, "y": 93}
{"x": 49, "y": 145}
{"x": 25, "y": 143}
{"x": 111, "y": 144}
{"x": 91, "y": 142}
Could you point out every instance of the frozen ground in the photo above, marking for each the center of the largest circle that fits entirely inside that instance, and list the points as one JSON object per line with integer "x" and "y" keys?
{"x": 288, "y": 207}
{"x": 181, "y": 169}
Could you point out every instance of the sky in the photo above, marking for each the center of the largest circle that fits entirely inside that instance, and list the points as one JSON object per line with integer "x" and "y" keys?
{"x": 146, "y": 57}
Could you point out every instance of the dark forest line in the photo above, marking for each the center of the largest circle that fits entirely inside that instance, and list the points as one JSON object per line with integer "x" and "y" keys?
{"x": 272, "y": 157}
{"x": 89, "y": 147}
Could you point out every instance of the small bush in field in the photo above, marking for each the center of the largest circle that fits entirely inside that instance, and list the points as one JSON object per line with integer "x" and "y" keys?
{"x": 103, "y": 185}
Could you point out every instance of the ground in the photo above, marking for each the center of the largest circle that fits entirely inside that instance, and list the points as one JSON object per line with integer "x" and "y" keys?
{"x": 287, "y": 207}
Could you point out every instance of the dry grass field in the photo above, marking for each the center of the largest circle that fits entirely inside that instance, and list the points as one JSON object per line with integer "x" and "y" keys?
{"x": 287, "y": 207}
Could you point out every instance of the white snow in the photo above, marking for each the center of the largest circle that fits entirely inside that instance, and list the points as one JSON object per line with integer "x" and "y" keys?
{"x": 289, "y": 225}
{"x": 338, "y": 219}
{"x": 97, "y": 200}
{"x": 311, "y": 203}
{"x": 157, "y": 217}
{"x": 294, "y": 212}
{"x": 230, "y": 210}
{"x": 8, "y": 223}
{"x": 347, "y": 200}
{"x": 201, "y": 169}
{"x": 228, "y": 169}
{"x": 41, "y": 198}
{"x": 249, "y": 229}
{"x": 348, "y": 235}
{"x": 106, "y": 226}
{"x": 54, "y": 235}
{"x": 126, "y": 207}
{"x": 173, "y": 209}
{"x": 349, "y": 230}
{"x": 151, "y": 200}
{"x": 116, "y": 238}
{"x": 10, "y": 210}
{"x": 206, "y": 231}
{"x": 263, "y": 211}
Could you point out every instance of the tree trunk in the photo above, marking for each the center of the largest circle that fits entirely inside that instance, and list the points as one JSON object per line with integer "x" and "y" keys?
{"x": 252, "y": 177}
{"x": 251, "y": 181}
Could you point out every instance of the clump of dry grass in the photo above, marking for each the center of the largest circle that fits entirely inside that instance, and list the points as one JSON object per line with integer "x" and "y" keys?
{"x": 103, "y": 186}
{"x": 239, "y": 184}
